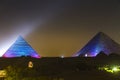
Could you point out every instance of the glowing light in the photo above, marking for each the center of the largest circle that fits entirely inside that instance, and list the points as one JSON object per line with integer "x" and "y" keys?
{"x": 6, "y": 44}
{"x": 62, "y": 56}
{"x": 30, "y": 64}
{"x": 3, "y": 73}
{"x": 115, "y": 69}
{"x": 21, "y": 48}
{"x": 110, "y": 69}
{"x": 86, "y": 55}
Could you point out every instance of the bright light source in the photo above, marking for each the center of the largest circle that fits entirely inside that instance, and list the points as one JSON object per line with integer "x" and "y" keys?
{"x": 2, "y": 73}
{"x": 30, "y": 64}
{"x": 62, "y": 56}
{"x": 7, "y": 44}
{"x": 115, "y": 69}
{"x": 86, "y": 55}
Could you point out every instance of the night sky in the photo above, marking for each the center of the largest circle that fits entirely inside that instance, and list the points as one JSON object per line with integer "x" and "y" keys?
{"x": 57, "y": 27}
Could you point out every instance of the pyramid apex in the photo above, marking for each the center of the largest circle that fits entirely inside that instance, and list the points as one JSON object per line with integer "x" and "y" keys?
{"x": 20, "y": 39}
{"x": 19, "y": 36}
{"x": 100, "y": 33}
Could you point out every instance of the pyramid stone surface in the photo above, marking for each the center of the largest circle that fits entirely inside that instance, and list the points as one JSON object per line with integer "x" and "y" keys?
{"x": 20, "y": 48}
{"x": 101, "y": 42}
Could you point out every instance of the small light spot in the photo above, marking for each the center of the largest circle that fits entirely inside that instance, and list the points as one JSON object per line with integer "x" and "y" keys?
{"x": 30, "y": 64}
{"x": 86, "y": 55}
{"x": 62, "y": 56}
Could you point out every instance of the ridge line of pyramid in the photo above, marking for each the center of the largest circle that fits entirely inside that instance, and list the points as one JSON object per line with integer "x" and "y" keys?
{"x": 102, "y": 34}
{"x": 107, "y": 36}
{"x": 20, "y": 37}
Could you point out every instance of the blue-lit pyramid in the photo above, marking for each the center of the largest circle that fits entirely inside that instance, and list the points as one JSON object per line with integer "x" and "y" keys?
{"x": 20, "y": 48}
{"x": 101, "y": 42}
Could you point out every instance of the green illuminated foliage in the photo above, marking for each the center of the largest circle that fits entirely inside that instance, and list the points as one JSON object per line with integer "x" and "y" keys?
{"x": 110, "y": 69}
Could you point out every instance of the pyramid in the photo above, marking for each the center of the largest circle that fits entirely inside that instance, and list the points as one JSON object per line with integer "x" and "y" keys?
{"x": 101, "y": 42}
{"x": 101, "y": 54}
{"x": 20, "y": 48}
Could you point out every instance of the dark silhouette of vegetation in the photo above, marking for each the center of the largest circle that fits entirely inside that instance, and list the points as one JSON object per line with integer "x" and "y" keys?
{"x": 51, "y": 68}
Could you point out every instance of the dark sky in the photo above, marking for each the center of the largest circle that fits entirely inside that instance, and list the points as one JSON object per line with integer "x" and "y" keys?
{"x": 58, "y": 27}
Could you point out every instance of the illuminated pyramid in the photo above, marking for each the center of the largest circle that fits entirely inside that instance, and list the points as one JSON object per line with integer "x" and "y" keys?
{"x": 20, "y": 48}
{"x": 101, "y": 42}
